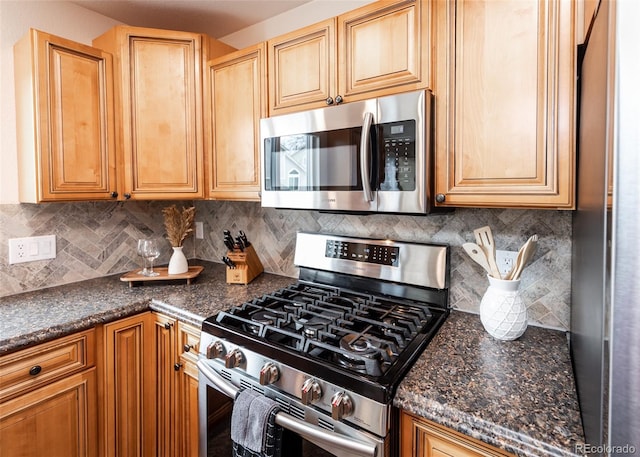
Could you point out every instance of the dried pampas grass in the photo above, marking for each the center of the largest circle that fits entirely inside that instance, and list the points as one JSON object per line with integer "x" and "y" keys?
{"x": 178, "y": 223}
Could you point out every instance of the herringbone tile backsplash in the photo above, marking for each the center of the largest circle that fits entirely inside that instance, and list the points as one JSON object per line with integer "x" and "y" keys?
{"x": 97, "y": 239}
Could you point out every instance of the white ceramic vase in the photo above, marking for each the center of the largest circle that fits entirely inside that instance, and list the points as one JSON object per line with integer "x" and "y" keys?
{"x": 178, "y": 262}
{"x": 502, "y": 311}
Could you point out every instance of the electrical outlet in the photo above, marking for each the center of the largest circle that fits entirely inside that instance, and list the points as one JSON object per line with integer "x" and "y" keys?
{"x": 199, "y": 231}
{"x": 505, "y": 261}
{"x": 32, "y": 248}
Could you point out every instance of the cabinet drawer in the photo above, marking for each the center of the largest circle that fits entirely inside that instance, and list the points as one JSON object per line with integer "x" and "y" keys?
{"x": 188, "y": 341}
{"x": 32, "y": 367}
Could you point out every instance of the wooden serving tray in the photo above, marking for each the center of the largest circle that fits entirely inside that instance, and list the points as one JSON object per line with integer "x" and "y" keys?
{"x": 134, "y": 276}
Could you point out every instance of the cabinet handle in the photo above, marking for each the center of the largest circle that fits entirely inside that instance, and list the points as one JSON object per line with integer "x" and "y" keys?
{"x": 35, "y": 370}
{"x": 187, "y": 347}
{"x": 339, "y": 99}
{"x": 127, "y": 196}
{"x": 177, "y": 366}
{"x": 114, "y": 194}
{"x": 167, "y": 325}
{"x": 440, "y": 198}
{"x": 329, "y": 101}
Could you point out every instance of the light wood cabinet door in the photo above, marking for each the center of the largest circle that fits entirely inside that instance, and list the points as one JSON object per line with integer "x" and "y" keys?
{"x": 129, "y": 387}
{"x": 57, "y": 419}
{"x": 166, "y": 359}
{"x": 302, "y": 68}
{"x": 505, "y": 104}
{"x": 422, "y": 438}
{"x": 187, "y": 392}
{"x": 236, "y": 100}
{"x": 65, "y": 132}
{"x": 379, "y": 49}
{"x": 384, "y": 48}
{"x": 159, "y": 110}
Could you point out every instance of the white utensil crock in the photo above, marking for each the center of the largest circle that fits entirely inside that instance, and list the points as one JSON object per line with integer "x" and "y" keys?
{"x": 502, "y": 311}
{"x": 178, "y": 262}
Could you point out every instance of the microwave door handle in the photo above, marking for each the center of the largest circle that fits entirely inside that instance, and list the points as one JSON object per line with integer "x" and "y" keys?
{"x": 365, "y": 157}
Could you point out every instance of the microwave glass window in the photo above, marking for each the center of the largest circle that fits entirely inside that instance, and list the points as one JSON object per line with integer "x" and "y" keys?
{"x": 314, "y": 161}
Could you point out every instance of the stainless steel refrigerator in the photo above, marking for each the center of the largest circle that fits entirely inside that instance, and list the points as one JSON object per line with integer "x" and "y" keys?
{"x": 605, "y": 302}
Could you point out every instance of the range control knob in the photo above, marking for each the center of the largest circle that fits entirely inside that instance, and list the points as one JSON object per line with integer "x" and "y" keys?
{"x": 341, "y": 406}
{"x": 215, "y": 350}
{"x": 269, "y": 374}
{"x": 233, "y": 359}
{"x": 311, "y": 392}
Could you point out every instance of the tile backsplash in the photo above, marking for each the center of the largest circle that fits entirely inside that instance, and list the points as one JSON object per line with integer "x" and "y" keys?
{"x": 99, "y": 238}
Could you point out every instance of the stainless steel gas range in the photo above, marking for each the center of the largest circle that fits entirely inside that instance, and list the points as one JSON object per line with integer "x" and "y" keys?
{"x": 332, "y": 348}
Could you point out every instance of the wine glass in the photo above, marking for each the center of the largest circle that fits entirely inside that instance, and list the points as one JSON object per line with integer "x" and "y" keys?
{"x": 150, "y": 251}
{"x": 144, "y": 270}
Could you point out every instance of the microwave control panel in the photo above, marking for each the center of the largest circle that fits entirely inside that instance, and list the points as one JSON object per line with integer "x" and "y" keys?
{"x": 398, "y": 156}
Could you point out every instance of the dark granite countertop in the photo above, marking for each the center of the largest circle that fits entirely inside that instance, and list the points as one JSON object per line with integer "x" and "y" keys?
{"x": 518, "y": 395}
{"x": 35, "y": 317}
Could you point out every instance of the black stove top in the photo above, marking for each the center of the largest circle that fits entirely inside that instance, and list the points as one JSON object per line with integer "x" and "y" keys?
{"x": 354, "y": 339}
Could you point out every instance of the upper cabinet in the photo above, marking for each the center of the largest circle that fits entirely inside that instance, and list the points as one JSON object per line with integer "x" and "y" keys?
{"x": 64, "y": 107}
{"x": 236, "y": 96}
{"x": 379, "y": 49}
{"x": 505, "y": 97}
{"x": 159, "y": 127}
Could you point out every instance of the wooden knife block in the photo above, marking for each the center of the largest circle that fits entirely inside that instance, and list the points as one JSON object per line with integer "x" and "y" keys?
{"x": 248, "y": 266}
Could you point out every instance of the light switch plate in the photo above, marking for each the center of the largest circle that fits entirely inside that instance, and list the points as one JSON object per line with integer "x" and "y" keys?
{"x": 199, "y": 231}
{"x": 32, "y": 248}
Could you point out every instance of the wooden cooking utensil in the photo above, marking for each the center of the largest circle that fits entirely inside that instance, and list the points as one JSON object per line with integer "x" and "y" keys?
{"x": 484, "y": 239}
{"x": 524, "y": 255}
{"x": 477, "y": 254}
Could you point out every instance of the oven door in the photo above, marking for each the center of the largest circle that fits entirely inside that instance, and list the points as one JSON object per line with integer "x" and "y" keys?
{"x": 300, "y": 438}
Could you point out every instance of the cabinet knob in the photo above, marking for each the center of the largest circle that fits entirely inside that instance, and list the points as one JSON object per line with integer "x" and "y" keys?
{"x": 177, "y": 366}
{"x": 187, "y": 347}
{"x": 329, "y": 101}
{"x": 440, "y": 198}
{"x": 114, "y": 194}
{"x": 127, "y": 196}
{"x": 35, "y": 370}
{"x": 339, "y": 99}
{"x": 167, "y": 325}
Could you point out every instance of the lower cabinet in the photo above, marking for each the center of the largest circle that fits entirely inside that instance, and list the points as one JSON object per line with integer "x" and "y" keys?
{"x": 129, "y": 386}
{"x": 423, "y": 438}
{"x": 48, "y": 399}
{"x": 176, "y": 387}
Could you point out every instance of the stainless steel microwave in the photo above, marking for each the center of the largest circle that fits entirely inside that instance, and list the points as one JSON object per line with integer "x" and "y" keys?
{"x": 368, "y": 156}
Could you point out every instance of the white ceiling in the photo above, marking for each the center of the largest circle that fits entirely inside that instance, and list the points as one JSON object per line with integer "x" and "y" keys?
{"x": 216, "y": 18}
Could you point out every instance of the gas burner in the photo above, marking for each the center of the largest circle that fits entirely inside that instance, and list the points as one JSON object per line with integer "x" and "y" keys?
{"x": 263, "y": 317}
{"x": 340, "y": 301}
{"x": 310, "y": 325}
{"x": 362, "y": 345}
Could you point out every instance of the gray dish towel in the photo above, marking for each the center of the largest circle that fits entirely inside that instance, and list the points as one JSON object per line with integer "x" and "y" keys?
{"x": 253, "y": 426}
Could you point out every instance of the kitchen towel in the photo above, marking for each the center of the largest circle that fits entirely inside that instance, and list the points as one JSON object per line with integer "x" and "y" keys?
{"x": 254, "y": 431}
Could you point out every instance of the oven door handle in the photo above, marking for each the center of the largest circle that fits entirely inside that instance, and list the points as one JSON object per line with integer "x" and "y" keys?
{"x": 308, "y": 431}
{"x": 365, "y": 157}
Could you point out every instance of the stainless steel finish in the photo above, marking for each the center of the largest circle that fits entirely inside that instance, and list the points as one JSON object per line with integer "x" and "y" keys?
{"x": 422, "y": 265}
{"x": 350, "y": 442}
{"x": 367, "y": 414}
{"x": 411, "y": 105}
{"x": 341, "y": 406}
{"x": 269, "y": 374}
{"x": 365, "y": 157}
{"x": 233, "y": 359}
{"x": 624, "y": 419}
{"x": 215, "y": 350}
{"x": 310, "y": 392}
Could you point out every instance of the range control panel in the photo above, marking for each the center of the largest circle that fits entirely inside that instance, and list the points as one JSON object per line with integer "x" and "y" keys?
{"x": 363, "y": 252}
